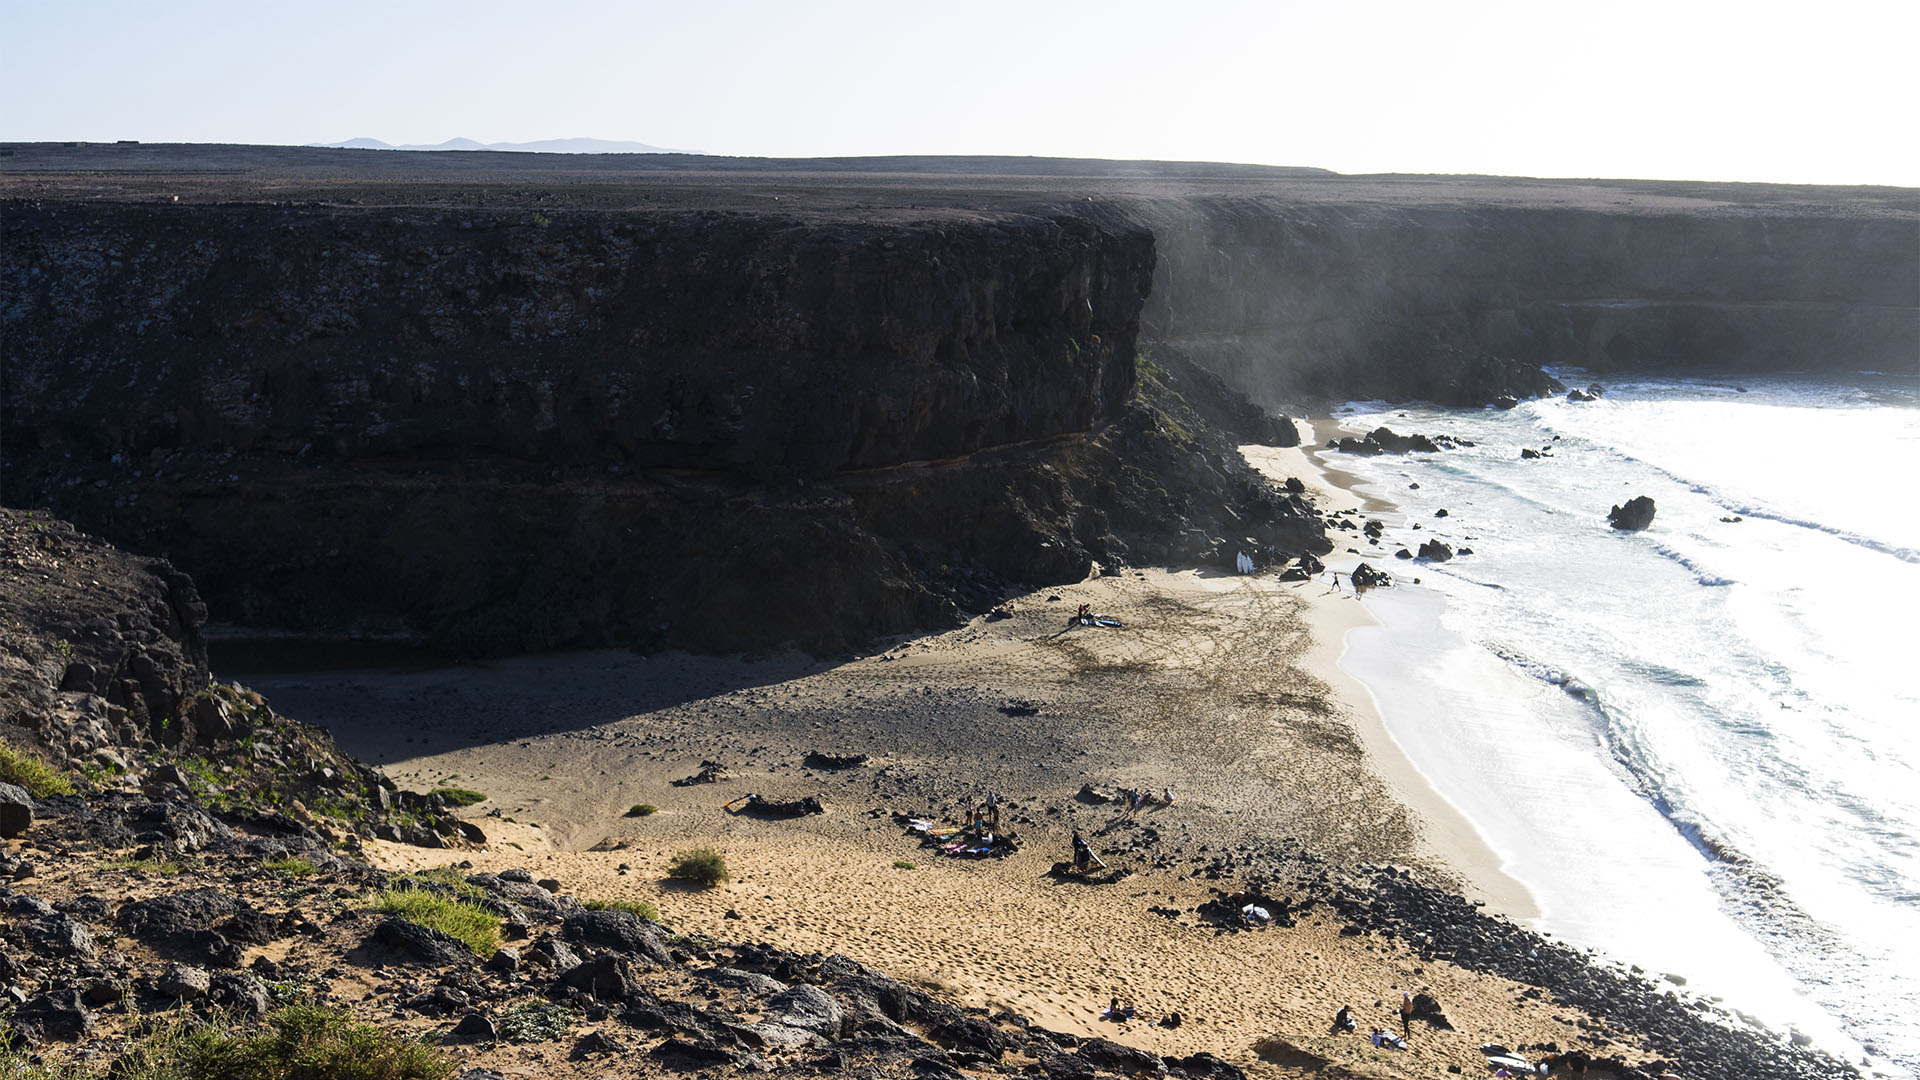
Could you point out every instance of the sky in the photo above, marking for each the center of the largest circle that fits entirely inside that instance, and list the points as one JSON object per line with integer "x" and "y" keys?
{"x": 1824, "y": 92}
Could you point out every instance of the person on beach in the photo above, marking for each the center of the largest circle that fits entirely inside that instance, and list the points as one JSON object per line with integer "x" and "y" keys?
{"x": 1406, "y": 1013}
{"x": 1342, "y": 1022}
{"x": 1082, "y": 854}
{"x": 1166, "y": 796}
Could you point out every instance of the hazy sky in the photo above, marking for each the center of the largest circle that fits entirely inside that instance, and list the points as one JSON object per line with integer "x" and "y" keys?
{"x": 1824, "y": 92}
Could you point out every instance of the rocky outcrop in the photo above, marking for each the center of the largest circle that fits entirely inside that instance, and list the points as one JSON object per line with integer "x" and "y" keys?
{"x": 102, "y": 648}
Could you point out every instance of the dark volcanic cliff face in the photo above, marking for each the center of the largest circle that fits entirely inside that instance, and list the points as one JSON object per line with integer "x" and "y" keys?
{"x": 731, "y": 343}
{"x": 1292, "y": 300}
{"x": 511, "y": 431}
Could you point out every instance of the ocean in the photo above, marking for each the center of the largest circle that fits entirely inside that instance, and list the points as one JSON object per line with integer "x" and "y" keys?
{"x": 1698, "y": 746}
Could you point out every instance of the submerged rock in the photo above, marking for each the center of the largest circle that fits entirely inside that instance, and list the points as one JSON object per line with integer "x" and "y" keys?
{"x": 1634, "y": 516}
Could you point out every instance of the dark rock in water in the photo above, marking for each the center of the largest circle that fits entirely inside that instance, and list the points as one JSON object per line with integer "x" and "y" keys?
{"x": 1403, "y": 553}
{"x": 1435, "y": 551}
{"x": 1506, "y": 401}
{"x": 16, "y": 810}
{"x": 1442, "y": 512}
{"x": 817, "y": 760}
{"x": 1366, "y": 577}
{"x": 1637, "y": 514}
{"x": 1591, "y": 393}
{"x": 1528, "y": 453}
{"x": 422, "y": 943}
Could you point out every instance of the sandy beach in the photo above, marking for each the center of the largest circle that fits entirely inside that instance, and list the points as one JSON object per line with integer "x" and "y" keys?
{"x": 1223, "y": 690}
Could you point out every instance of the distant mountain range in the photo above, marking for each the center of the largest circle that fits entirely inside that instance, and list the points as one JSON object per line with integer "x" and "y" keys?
{"x": 544, "y": 146}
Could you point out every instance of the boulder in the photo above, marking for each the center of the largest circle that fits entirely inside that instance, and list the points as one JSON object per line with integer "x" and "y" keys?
{"x": 185, "y": 982}
{"x": 1635, "y": 515}
{"x": 1435, "y": 551}
{"x": 615, "y": 929}
{"x": 421, "y": 943}
{"x": 607, "y": 977}
{"x": 475, "y": 1027}
{"x": 806, "y": 1007}
{"x": 1366, "y": 577}
{"x": 16, "y": 810}
{"x": 56, "y": 1014}
{"x": 242, "y": 992}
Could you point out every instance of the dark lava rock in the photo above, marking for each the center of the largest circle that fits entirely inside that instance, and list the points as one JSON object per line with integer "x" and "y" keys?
{"x": 1204, "y": 1066}
{"x": 972, "y": 1034}
{"x": 16, "y": 810}
{"x": 1506, "y": 401}
{"x": 241, "y": 992}
{"x": 806, "y": 1007}
{"x": 1435, "y": 551}
{"x": 1107, "y": 1054}
{"x": 1366, "y": 577}
{"x": 607, "y": 977}
{"x": 817, "y": 760}
{"x": 1637, "y": 514}
{"x": 1528, "y": 453}
{"x": 475, "y": 1027}
{"x": 691, "y": 1055}
{"x": 422, "y": 943}
{"x": 56, "y": 1014}
{"x": 553, "y": 953}
{"x": 61, "y": 936}
{"x": 1427, "y": 1007}
{"x": 184, "y": 981}
{"x": 750, "y": 982}
{"x": 615, "y": 929}
{"x": 180, "y": 922}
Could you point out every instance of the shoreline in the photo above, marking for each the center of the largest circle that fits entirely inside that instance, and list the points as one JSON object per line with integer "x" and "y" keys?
{"x": 1449, "y": 838}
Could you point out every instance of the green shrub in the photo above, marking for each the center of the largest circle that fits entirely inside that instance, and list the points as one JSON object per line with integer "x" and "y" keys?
{"x": 703, "y": 866}
{"x": 642, "y": 809}
{"x": 39, "y": 778}
{"x": 152, "y": 864}
{"x": 902, "y": 864}
{"x": 459, "y": 919}
{"x": 534, "y": 1021}
{"x": 459, "y": 796}
{"x": 638, "y": 907}
{"x": 290, "y": 865}
{"x": 299, "y": 1042}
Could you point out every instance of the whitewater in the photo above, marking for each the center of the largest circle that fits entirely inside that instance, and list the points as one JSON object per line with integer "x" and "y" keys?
{"x": 1695, "y": 745}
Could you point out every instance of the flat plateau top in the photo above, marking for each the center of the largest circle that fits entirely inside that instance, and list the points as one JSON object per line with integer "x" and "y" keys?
{"x": 831, "y": 188}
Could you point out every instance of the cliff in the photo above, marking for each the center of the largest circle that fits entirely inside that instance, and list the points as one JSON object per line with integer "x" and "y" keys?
{"x": 1459, "y": 300}
{"x": 512, "y": 430}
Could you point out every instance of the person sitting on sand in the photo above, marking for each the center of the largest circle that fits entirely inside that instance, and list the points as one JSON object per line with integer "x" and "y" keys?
{"x": 1166, "y": 796}
{"x": 1342, "y": 1022}
{"x": 1117, "y": 1012}
{"x": 1387, "y": 1040}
